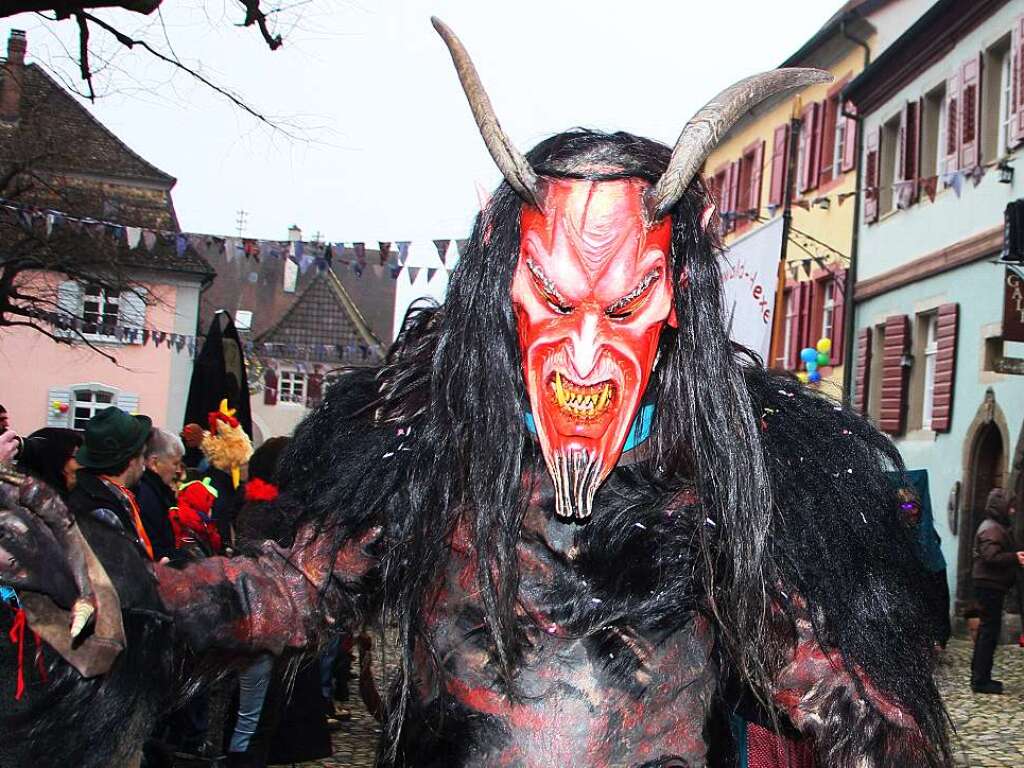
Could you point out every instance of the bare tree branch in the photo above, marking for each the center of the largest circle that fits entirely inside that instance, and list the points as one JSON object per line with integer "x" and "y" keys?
{"x": 253, "y": 15}
{"x": 83, "y": 53}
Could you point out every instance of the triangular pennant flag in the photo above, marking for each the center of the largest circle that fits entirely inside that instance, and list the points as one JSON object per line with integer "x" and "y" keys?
{"x": 806, "y": 264}
{"x": 385, "y": 250}
{"x": 145, "y": 336}
{"x": 403, "y": 252}
{"x": 461, "y": 246}
{"x": 930, "y": 186}
{"x": 179, "y": 343}
{"x": 360, "y": 251}
{"x": 431, "y": 271}
{"x": 442, "y": 248}
{"x": 805, "y": 204}
{"x": 413, "y": 274}
{"x": 395, "y": 271}
{"x": 977, "y": 174}
{"x": 180, "y": 243}
{"x": 149, "y": 238}
{"x": 358, "y": 267}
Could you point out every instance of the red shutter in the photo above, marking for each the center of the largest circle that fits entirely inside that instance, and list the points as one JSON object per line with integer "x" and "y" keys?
{"x": 945, "y": 367}
{"x": 894, "y": 375}
{"x": 829, "y": 115}
{"x": 909, "y": 149}
{"x": 810, "y": 144}
{"x": 952, "y": 124}
{"x": 780, "y": 158}
{"x": 792, "y": 293}
{"x": 756, "y": 172}
{"x": 734, "y": 192}
{"x": 269, "y": 387}
{"x": 838, "y": 318}
{"x": 1017, "y": 83}
{"x": 871, "y": 176}
{"x": 805, "y": 297}
{"x": 717, "y": 186}
{"x": 970, "y": 113}
{"x": 850, "y": 142}
{"x": 314, "y": 389}
{"x": 863, "y": 378}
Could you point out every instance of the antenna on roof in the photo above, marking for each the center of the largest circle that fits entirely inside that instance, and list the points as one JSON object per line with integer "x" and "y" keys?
{"x": 240, "y": 221}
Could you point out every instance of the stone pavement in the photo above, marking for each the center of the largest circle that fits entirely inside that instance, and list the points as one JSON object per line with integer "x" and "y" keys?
{"x": 990, "y": 729}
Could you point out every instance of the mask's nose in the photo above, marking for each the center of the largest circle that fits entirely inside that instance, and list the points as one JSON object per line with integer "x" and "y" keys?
{"x": 586, "y": 347}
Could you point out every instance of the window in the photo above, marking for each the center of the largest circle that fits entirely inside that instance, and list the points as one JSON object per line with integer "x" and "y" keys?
{"x": 291, "y": 387}
{"x": 1005, "y": 106}
{"x": 839, "y": 147}
{"x": 828, "y": 308}
{"x": 788, "y": 329}
{"x": 86, "y": 403}
{"x": 748, "y": 197}
{"x": 933, "y": 127}
{"x": 995, "y": 100}
{"x": 943, "y": 137}
{"x": 243, "y": 320}
{"x": 931, "y": 348}
{"x": 100, "y": 308}
{"x": 890, "y": 142}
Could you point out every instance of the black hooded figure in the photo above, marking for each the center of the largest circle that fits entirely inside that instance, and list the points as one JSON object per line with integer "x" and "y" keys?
{"x": 219, "y": 372}
{"x": 747, "y": 541}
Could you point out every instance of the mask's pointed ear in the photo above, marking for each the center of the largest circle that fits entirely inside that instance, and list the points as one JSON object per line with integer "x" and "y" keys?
{"x": 705, "y": 218}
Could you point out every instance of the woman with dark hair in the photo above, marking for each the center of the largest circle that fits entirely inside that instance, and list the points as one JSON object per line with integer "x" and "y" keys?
{"x": 49, "y": 454}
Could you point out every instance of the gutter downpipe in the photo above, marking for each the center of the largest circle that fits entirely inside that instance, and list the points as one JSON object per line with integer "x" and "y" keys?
{"x": 849, "y": 320}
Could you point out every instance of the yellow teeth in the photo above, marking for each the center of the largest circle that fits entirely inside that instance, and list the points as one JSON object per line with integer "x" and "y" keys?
{"x": 577, "y": 403}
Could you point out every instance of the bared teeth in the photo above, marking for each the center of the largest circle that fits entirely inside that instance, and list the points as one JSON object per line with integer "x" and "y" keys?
{"x": 584, "y": 402}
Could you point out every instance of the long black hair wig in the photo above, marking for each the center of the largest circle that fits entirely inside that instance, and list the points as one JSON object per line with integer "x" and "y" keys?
{"x": 793, "y": 485}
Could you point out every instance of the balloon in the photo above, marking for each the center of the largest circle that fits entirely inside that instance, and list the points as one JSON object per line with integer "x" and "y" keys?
{"x": 822, "y": 358}
{"x": 803, "y": 376}
{"x": 824, "y": 346}
{"x": 814, "y": 377}
{"x": 811, "y": 366}
{"x": 807, "y": 354}
{"x": 55, "y": 403}
{"x": 63, "y": 407}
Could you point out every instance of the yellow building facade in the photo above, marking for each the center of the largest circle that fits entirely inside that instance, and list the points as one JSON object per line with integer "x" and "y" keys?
{"x": 749, "y": 177}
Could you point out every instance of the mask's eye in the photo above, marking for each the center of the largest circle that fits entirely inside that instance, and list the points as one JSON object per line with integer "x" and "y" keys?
{"x": 547, "y": 290}
{"x": 620, "y": 309}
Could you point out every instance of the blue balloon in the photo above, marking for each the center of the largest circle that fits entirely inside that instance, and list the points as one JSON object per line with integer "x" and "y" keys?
{"x": 808, "y": 355}
{"x": 814, "y": 377}
{"x": 811, "y": 366}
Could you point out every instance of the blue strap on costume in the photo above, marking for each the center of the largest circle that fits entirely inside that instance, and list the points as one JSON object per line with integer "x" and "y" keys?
{"x": 638, "y": 433}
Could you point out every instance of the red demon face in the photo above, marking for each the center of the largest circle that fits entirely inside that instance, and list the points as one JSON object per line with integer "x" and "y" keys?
{"x": 592, "y": 291}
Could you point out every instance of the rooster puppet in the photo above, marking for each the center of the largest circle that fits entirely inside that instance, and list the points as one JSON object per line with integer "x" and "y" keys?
{"x": 596, "y": 523}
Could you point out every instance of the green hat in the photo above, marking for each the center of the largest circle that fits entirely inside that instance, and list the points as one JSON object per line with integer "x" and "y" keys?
{"x": 112, "y": 437}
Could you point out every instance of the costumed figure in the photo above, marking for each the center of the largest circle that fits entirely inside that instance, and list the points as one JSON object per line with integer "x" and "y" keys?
{"x": 586, "y": 511}
{"x": 192, "y": 518}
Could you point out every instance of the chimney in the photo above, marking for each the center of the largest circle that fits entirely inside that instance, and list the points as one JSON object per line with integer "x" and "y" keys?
{"x": 13, "y": 76}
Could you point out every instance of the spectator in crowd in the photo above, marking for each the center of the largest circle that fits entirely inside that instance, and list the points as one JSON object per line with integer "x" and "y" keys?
{"x": 996, "y": 560}
{"x": 5, "y": 423}
{"x": 156, "y": 490}
{"x": 111, "y": 458}
{"x": 49, "y": 454}
{"x": 10, "y": 443}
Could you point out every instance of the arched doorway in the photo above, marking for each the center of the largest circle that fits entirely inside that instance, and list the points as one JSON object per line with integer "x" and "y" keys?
{"x": 986, "y": 469}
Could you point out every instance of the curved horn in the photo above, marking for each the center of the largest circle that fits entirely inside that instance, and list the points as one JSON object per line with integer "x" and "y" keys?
{"x": 706, "y": 128}
{"x": 510, "y": 162}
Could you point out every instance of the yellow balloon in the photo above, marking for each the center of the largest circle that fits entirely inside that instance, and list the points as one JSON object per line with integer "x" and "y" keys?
{"x": 824, "y": 346}
{"x": 803, "y": 376}
{"x": 56, "y": 403}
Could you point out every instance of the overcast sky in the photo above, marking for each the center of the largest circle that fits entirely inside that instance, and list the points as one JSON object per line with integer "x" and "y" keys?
{"x": 382, "y": 145}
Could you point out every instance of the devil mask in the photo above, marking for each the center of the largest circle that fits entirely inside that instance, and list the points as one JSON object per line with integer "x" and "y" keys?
{"x": 591, "y": 293}
{"x": 592, "y": 285}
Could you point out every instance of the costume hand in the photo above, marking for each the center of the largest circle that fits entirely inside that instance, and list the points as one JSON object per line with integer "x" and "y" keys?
{"x": 10, "y": 444}
{"x": 1020, "y": 558}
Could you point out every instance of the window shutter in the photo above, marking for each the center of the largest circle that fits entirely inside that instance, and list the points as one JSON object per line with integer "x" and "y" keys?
{"x": 69, "y": 298}
{"x": 734, "y": 191}
{"x": 793, "y": 358}
{"x": 54, "y": 417}
{"x": 838, "y": 318}
{"x": 849, "y": 142}
{"x": 827, "y": 142}
{"x": 756, "y": 171}
{"x": 945, "y": 367}
{"x": 810, "y": 141}
{"x": 908, "y": 152}
{"x": 970, "y": 111}
{"x": 270, "y": 387}
{"x": 1017, "y": 83}
{"x": 716, "y": 185}
{"x": 314, "y": 389}
{"x": 804, "y": 298}
{"x": 894, "y": 375}
{"x": 780, "y": 158}
{"x": 863, "y": 379}
{"x": 132, "y": 311}
{"x": 127, "y": 402}
{"x": 871, "y": 176}
{"x": 952, "y": 160}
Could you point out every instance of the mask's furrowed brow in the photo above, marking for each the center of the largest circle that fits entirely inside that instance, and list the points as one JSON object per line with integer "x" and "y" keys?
{"x": 638, "y": 292}
{"x": 545, "y": 283}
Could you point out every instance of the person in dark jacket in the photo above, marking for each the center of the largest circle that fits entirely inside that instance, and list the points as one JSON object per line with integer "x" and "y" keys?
{"x": 49, "y": 454}
{"x": 111, "y": 461}
{"x": 156, "y": 489}
{"x": 996, "y": 560}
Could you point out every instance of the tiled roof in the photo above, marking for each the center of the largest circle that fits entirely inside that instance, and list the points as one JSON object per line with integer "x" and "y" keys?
{"x": 72, "y": 140}
{"x": 324, "y": 317}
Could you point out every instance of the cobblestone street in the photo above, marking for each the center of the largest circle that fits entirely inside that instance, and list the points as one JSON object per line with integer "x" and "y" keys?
{"x": 990, "y": 729}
